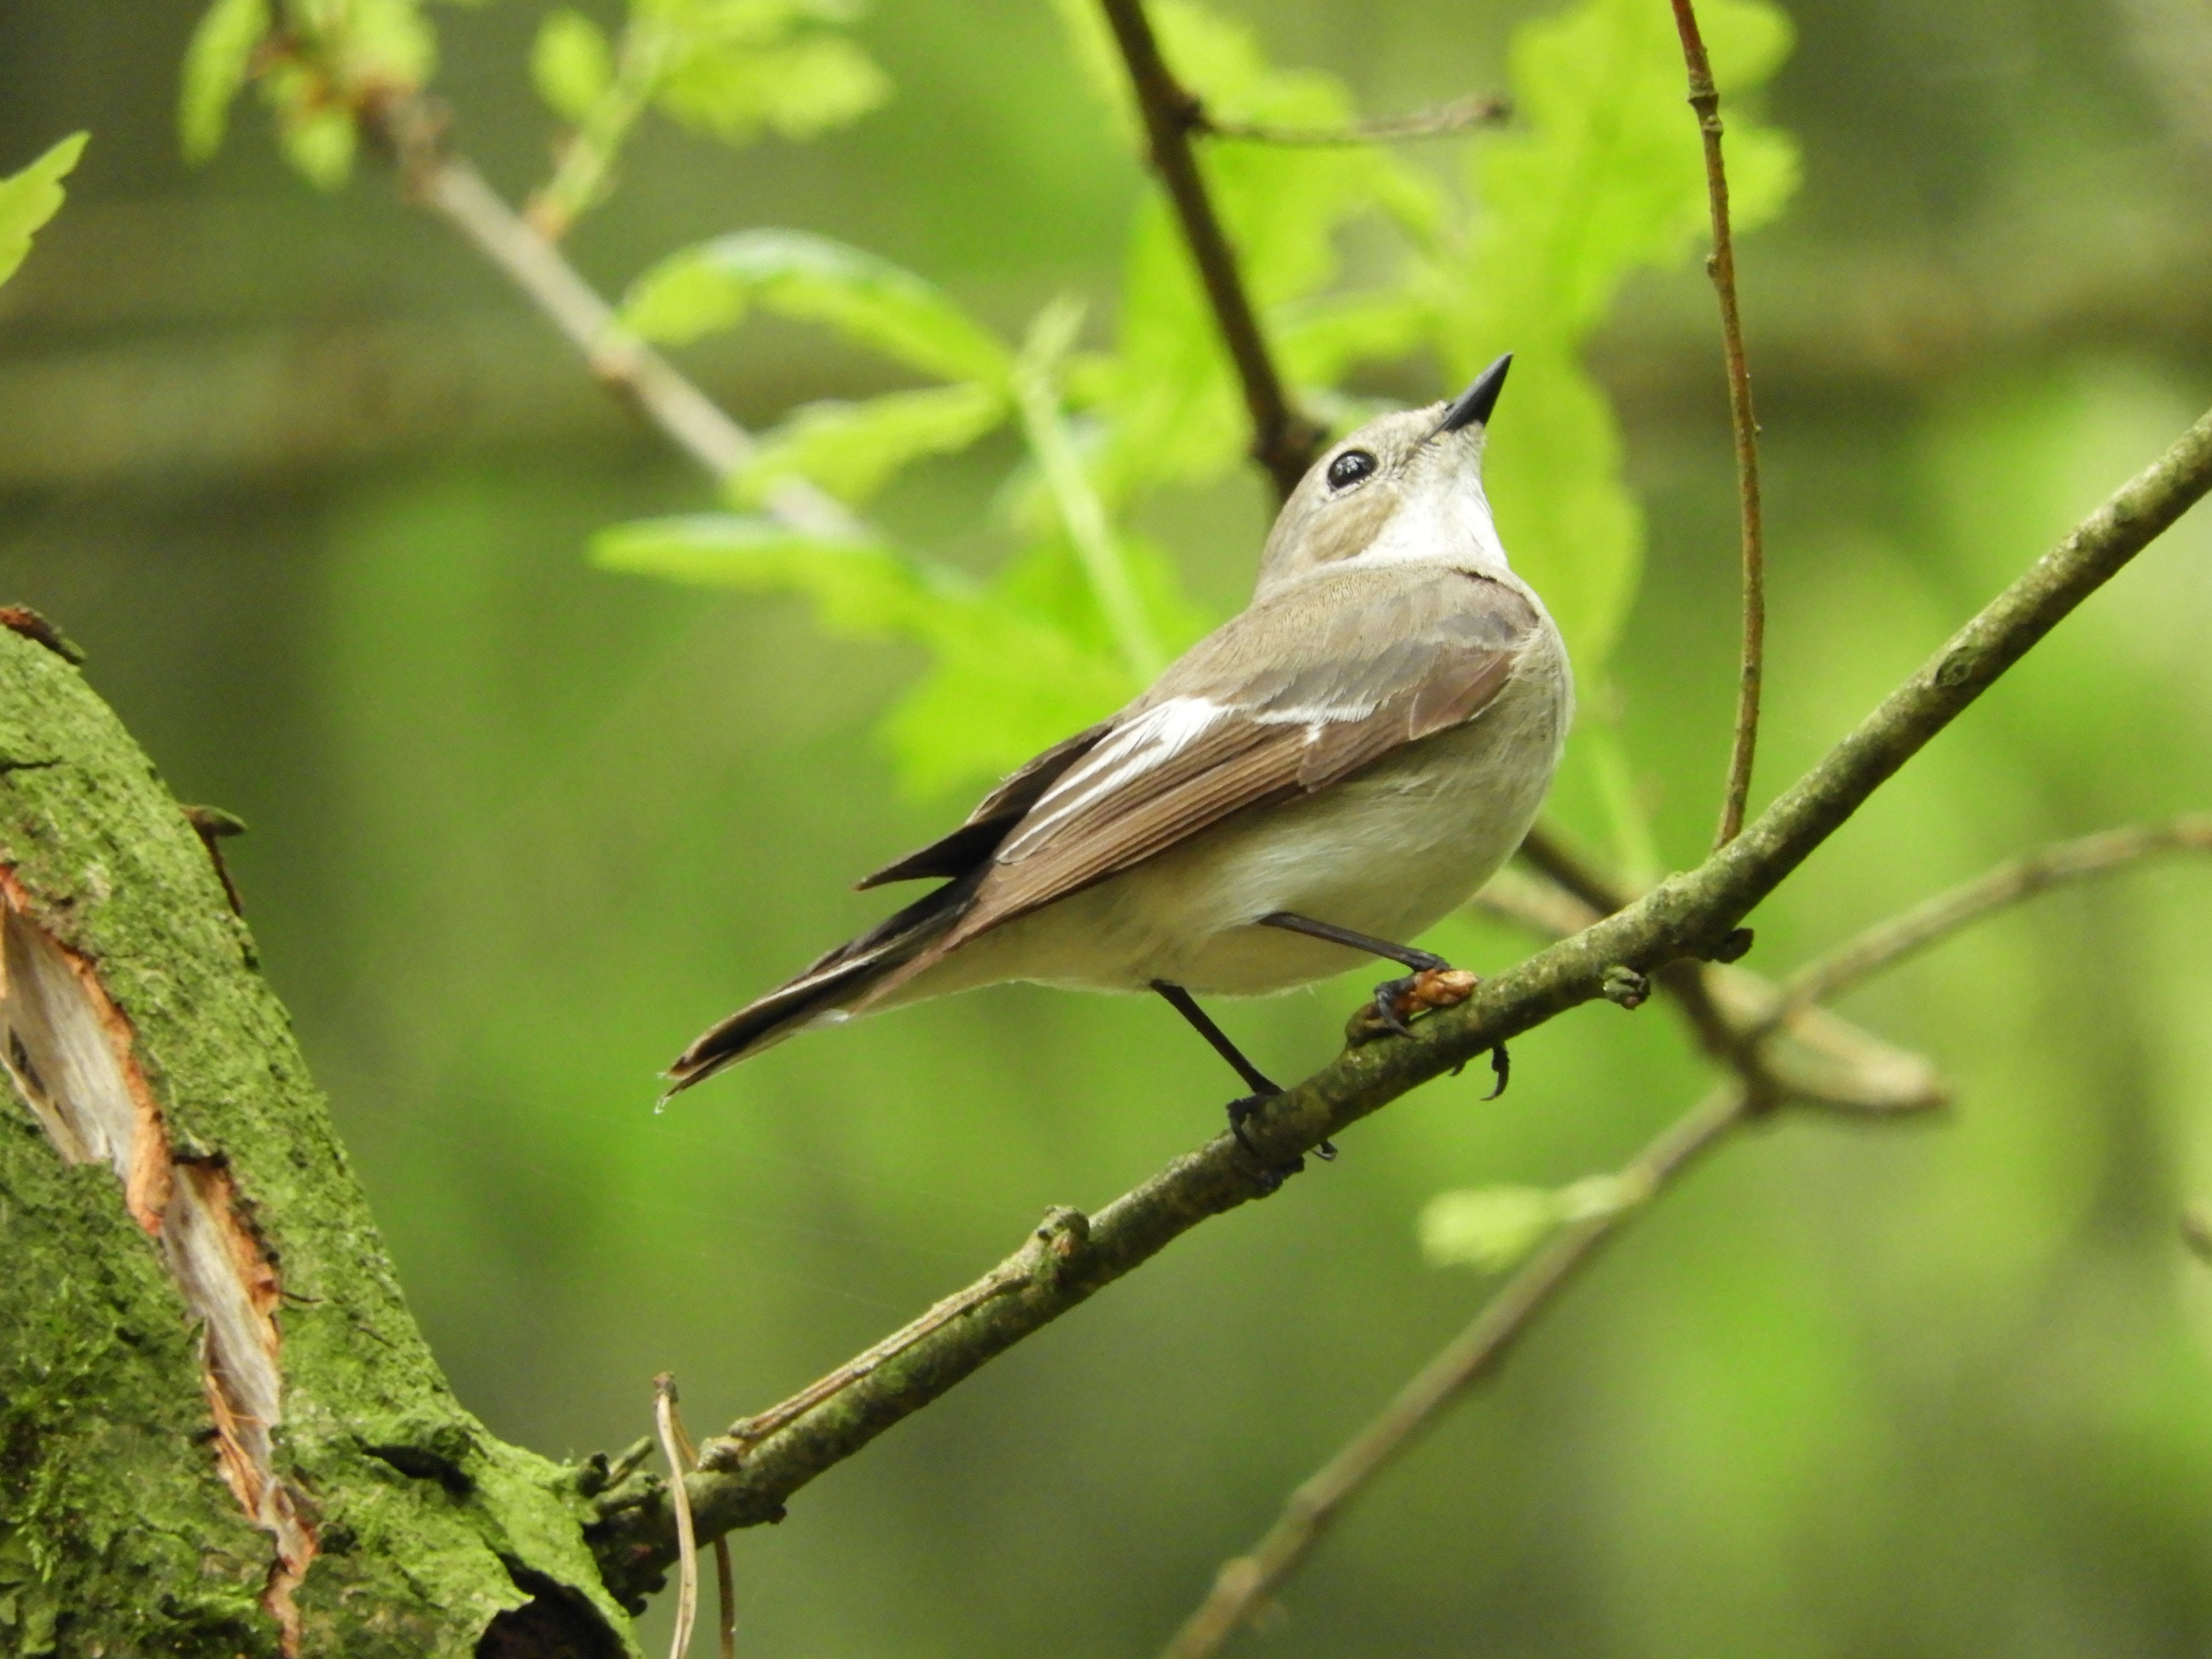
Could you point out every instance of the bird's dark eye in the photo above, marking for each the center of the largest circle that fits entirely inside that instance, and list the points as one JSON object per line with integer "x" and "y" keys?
{"x": 1349, "y": 468}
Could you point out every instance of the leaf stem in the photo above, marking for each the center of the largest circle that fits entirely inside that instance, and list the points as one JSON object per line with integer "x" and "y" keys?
{"x": 582, "y": 170}
{"x": 1036, "y": 390}
{"x": 1705, "y": 99}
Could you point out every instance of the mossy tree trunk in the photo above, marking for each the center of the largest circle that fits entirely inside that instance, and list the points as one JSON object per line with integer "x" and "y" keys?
{"x": 220, "y": 1432}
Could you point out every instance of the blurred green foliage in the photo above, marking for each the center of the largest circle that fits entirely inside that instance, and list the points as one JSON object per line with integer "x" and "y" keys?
{"x": 30, "y": 198}
{"x": 1606, "y": 178}
{"x": 310, "y": 489}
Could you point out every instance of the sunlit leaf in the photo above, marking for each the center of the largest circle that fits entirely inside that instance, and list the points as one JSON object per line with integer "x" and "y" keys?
{"x": 1603, "y": 176}
{"x": 571, "y": 64}
{"x": 796, "y": 274}
{"x": 861, "y": 587}
{"x": 1004, "y": 681}
{"x": 797, "y": 89}
{"x": 1318, "y": 340}
{"x": 29, "y": 198}
{"x": 216, "y": 64}
{"x": 851, "y": 449}
{"x": 1493, "y": 1228}
{"x": 321, "y": 144}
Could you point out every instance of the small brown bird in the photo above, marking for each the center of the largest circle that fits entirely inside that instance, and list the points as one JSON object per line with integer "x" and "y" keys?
{"x": 1334, "y": 770}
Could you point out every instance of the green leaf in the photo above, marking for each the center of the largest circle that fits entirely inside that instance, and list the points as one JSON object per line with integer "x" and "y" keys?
{"x": 853, "y": 449}
{"x": 862, "y": 588}
{"x": 799, "y": 89}
{"x": 1005, "y": 680}
{"x": 1001, "y": 689}
{"x": 319, "y": 143}
{"x": 709, "y": 287}
{"x": 1605, "y": 176}
{"x": 1493, "y": 1228}
{"x": 29, "y": 198}
{"x": 1318, "y": 340}
{"x": 571, "y": 64}
{"x": 216, "y": 64}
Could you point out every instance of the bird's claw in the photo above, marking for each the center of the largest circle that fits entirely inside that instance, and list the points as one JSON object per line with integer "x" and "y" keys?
{"x": 1272, "y": 1176}
{"x": 1397, "y": 1002}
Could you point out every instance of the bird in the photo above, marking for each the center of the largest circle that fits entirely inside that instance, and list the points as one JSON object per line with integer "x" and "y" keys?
{"x": 1327, "y": 774}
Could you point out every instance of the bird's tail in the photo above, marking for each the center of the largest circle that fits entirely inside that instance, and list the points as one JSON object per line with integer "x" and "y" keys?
{"x": 827, "y": 988}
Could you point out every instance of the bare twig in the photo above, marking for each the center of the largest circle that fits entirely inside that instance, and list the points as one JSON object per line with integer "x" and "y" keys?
{"x": 687, "y": 1542}
{"x": 1245, "y": 1583}
{"x": 1891, "y": 941}
{"x": 1461, "y": 115}
{"x": 726, "y": 1592}
{"x": 1284, "y": 441}
{"x": 450, "y": 187}
{"x": 744, "y": 1481}
{"x": 1705, "y": 99}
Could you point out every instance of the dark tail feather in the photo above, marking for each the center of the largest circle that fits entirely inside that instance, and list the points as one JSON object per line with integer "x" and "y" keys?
{"x": 836, "y": 980}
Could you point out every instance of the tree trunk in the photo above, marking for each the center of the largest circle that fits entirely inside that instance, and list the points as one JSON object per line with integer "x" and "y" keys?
{"x": 220, "y": 1432}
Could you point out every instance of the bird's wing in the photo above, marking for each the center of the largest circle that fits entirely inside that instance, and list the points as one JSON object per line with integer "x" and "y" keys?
{"x": 1301, "y": 690}
{"x": 971, "y": 845}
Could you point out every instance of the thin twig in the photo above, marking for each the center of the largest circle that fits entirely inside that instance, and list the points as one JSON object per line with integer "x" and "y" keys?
{"x": 745, "y": 1482}
{"x": 1284, "y": 441}
{"x": 452, "y": 187}
{"x": 687, "y": 1542}
{"x": 1461, "y": 115}
{"x": 1705, "y": 99}
{"x": 1891, "y": 941}
{"x": 1245, "y": 1583}
{"x": 726, "y": 1591}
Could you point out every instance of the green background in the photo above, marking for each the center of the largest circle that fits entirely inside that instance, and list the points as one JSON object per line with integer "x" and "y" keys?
{"x": 312, "y": 486}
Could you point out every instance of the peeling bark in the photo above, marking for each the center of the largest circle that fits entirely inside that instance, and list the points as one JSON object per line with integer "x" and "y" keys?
{"x": 220, "y": 1432}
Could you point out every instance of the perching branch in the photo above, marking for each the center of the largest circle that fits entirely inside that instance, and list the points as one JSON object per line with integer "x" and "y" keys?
{"x": 452, "y": 187}
{"x": 1462, "y": 115}
{"x": 1705, "y": 99}
{"x": 1245, "y": 1583}
{"x": 744, "y": 1480}
{"x": 1284, "y": 441}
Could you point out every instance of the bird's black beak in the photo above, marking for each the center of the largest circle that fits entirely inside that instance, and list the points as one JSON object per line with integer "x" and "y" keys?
{"x": 1473, "y": 405}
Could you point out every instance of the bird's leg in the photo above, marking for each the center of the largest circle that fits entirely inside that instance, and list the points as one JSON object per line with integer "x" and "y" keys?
{"x": 1434, "y": 983}
{"x": 1255, "y": 1080}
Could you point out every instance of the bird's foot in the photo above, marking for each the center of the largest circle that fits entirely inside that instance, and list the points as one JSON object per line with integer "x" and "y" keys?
{"x": 1398, "y": 1000}
{"x": 1272, "y": 1175}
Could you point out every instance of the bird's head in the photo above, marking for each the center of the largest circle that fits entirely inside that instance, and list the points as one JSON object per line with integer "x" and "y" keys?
{"x": 1405, "y": 488}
